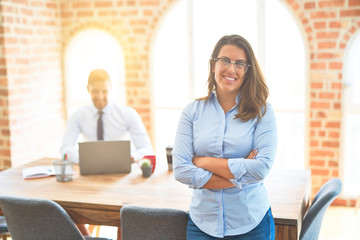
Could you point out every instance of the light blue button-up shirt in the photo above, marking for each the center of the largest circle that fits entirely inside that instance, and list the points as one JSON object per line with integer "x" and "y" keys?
{"x": 205, "y": 130}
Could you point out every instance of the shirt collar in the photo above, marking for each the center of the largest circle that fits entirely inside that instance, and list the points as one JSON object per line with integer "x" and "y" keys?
{"x": 238, "y": 98}
{"x": 213, "y": 94}
{"x": 105, "y": 110}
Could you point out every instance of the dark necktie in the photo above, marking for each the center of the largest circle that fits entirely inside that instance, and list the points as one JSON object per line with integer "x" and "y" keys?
{"x": 100, "y": 128}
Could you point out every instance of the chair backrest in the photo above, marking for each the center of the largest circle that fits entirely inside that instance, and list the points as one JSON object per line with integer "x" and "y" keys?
{"x": 3, "y": 227}
{"x": 35, "y": 219}
{"x": 313, "y": 218}
{"x": 139, "y": 223}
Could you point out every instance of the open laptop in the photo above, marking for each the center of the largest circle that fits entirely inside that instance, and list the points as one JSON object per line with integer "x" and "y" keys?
{"x": 104, "y": 157}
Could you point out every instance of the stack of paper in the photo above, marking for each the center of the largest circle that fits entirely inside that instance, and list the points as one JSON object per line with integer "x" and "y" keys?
{"x": 38, "y": 172}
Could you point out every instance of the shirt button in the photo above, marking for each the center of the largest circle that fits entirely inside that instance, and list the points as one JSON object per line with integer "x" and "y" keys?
{"x": 220, "y": 138}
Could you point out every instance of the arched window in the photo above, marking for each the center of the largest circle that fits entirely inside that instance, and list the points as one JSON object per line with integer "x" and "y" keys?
{"x": 172, "y": 86}
{"x": 351, "y": 121}
{"x": 183, "y": 47}
{"x": 285, "y": 71}
{"x": 88, "y": 50}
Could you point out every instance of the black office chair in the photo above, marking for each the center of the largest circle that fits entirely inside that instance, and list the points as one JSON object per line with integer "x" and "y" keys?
{"x": 313, "y": 218}
{"x": 142, "y": 223}
{"x": 4, "y": 232}
{"x": 34, "y": 219}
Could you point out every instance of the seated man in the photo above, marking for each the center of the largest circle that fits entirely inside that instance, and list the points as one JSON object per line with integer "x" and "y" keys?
{"x": 105, "y": 121}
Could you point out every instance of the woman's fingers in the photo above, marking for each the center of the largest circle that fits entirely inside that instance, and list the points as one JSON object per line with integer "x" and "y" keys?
{"x": 253, "y": 154}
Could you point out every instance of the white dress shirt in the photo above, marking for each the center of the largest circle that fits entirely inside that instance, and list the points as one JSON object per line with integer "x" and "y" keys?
{"x": 119, "y": 122}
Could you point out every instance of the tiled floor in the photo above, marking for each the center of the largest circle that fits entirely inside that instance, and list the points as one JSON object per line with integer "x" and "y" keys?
{"x": 107, "y": 232}
{"x": 340, "y": 223}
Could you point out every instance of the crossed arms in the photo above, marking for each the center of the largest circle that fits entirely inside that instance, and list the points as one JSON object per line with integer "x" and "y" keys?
{"x": 219, "y": 168}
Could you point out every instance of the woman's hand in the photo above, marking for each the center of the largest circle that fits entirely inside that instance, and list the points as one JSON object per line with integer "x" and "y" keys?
{"x": 253, "y": 154}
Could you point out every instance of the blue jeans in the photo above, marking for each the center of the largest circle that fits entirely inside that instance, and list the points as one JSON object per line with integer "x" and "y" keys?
{"x": 265, "y": 230}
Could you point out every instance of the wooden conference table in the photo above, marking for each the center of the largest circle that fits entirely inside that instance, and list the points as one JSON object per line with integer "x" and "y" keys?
{"x": 97, "y": 199}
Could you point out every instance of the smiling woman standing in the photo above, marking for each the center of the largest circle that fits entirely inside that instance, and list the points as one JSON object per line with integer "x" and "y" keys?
{"x": 225, "y": 147}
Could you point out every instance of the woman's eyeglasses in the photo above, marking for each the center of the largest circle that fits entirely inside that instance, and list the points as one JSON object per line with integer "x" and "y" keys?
{"x": 239, "y": 66}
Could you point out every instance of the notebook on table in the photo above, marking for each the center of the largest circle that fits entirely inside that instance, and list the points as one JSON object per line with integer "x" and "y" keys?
{"x": 104, "y": 157}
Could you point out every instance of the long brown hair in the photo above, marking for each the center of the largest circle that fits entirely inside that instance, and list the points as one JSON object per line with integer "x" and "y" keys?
{"x": 253, "y": 91}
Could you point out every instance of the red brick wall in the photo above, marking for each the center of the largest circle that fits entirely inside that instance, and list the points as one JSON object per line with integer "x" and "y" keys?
{"x": 4, "y": 110}
{"x": 327, "y": 27}
{"x": 31, "y": 108}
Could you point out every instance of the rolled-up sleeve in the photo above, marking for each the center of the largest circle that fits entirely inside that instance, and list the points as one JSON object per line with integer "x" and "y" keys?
{"x": 183, "y": 152}
{"x": 265, "y": 140}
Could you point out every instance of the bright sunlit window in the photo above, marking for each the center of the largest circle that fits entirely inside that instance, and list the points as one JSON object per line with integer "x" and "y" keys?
{"x": 182, "y": 48}
{"x": 285, "y": 71}
{"x": 351, "y": 126}
{"x": 88, "y": 50}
